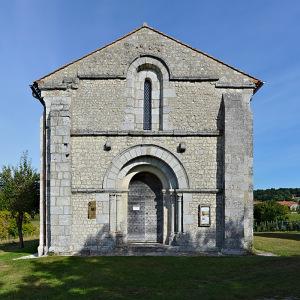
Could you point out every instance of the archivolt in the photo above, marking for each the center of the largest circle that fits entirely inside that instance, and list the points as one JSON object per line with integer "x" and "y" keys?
{"x": 157, "y": 157}
{"x": 163, "y": 93}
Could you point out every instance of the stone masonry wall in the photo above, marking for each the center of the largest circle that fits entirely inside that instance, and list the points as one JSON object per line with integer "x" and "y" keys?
{"x": 100, "y": 105}
{"x": 59, "y": 208}
{"x": 196, "y": 107}
{"x": 203, "y": 238}
{"x": 116, "y": 58}
{"x": 238, "y": 187}
{"x": 95, "y": 236}
{"x": 90, "y": 96}
{"x": 90, "y": 161}
{"x": 89, "y": 234}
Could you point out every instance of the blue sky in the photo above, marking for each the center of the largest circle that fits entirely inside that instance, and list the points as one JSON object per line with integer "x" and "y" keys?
{"x": 261, "y": 37}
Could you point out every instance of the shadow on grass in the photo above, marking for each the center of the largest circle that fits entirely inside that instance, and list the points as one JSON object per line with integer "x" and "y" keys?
{"x": 154, "y": 278}
{"x": 279, "y": 235}
{"x": 30, "y": 247}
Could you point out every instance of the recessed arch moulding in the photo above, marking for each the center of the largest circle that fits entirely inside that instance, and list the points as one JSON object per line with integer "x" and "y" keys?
{"x": 165, "y": 166}
{"x": 157, "y": 72}
{"x": 154, "y": 159}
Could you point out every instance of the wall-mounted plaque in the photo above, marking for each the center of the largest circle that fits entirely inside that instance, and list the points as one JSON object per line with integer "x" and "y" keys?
{"x": 136, "y": 207}
{"x": 92, "y": 210}
{"x": 204, "y": 215}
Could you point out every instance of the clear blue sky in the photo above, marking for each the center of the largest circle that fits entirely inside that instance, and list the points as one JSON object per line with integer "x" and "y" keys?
{"x": 261, "y": 37}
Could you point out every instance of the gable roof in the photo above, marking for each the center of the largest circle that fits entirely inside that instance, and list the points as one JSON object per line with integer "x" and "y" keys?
{"x": 288, "y": 203}
{"x": 258, "y": 83}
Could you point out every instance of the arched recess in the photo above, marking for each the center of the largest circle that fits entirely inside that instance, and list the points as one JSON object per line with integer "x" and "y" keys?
{"x": 161, "y": 161}
{"x": 153, "y": 69}
{"x": 165, "y": 181}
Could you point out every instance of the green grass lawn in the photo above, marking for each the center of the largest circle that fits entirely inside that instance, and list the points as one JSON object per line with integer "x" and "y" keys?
{"x": 280, "y": 243}
{"x": 249, "y": 277}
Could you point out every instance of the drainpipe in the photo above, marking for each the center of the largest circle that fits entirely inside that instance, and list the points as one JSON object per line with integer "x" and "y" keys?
{"x": 36, "y": 93}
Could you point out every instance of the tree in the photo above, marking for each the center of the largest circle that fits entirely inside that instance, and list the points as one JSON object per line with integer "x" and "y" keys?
{"x": 270, "y": 211}
{"x": 276, "y": 194}
{"x": 2, "y": 200}
{"x": 19, "y": 191}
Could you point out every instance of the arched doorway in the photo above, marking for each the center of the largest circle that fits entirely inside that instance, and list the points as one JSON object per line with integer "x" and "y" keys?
{"x": 145, "y": 209}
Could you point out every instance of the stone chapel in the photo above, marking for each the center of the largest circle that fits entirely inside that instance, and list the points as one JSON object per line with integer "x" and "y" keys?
{"x": 146, "y": 147}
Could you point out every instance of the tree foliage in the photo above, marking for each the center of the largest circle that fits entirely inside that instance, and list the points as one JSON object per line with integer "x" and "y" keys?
{"x": 9, "y": 228}
{"x": 19, "y": 194}
{"x": 270, "y": 211}
{"x": 276, "y": 194}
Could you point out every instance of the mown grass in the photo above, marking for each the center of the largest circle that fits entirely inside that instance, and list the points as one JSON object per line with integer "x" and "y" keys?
{"x": 280, "y": 243}
{"x": 54, "y": 277}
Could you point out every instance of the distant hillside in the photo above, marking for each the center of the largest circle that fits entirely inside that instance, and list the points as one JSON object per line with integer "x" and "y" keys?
{"x": 277, "y": 194}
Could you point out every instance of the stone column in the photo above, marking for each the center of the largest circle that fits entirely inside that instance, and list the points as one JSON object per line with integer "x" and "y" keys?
{"x": 112, "y": 214}
{"x": 172, "y": 202}
{"x": 179, "y": 213}
{"x": 165, "y": 204}
{"x": 118, "y": 212}
{"x": 238, "y": 171}
{"x": 119, "y": 233}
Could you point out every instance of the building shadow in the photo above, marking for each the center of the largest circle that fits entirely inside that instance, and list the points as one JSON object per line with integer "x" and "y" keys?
{"x": 30, "y": 246}
{"x": 101, "y": 243}
{"x": 146, "y": 277}
{"x": 105, "y": 277}
{"x": 279, "y": 235}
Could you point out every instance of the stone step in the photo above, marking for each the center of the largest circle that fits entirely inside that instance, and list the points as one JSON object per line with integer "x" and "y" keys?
{"x": 144, "y": 248}
{"x": 150, "y": 246}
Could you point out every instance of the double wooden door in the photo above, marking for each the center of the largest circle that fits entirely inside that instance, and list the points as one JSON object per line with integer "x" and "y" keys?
{"x": 145, "y": 209}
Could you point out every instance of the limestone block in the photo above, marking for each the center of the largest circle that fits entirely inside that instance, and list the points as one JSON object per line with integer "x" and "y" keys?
{"x": 65, "y": 219}
{"x": 103, "y": 219}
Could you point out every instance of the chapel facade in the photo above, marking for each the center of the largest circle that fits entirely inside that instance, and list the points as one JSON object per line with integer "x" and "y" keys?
{"x": 146, "y": 146}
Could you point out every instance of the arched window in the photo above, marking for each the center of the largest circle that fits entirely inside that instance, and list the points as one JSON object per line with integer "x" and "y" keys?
{"x": 147, "y": 105}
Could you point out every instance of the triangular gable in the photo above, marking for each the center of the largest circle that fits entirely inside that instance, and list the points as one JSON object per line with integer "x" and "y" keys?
{"x": 208, "y": 64}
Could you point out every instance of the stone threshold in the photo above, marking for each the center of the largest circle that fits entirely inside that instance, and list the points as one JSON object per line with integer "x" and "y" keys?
{"x": 167, "y": 251}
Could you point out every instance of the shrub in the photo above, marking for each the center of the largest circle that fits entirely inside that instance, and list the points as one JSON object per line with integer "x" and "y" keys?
{"x": 270, "y": 211}
{"x": 8, "y": 225}
{"x": 277, "y": 226}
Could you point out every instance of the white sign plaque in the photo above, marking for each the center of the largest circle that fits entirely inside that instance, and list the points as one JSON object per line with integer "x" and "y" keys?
{"x": 204, "y": 215}
{"x": 135, "y": 208}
